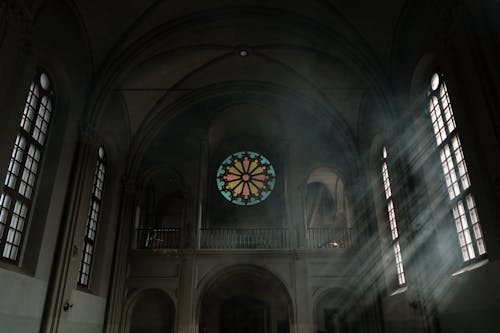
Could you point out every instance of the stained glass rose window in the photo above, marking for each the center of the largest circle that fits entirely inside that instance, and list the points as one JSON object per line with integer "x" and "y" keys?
{"x": 246, "y": 178}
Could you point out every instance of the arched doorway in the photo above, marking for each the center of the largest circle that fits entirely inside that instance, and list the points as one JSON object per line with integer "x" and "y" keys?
{"x": 245, "y": 300}
{"x": 332, "y": 312}
{"x": 151, "y": 312}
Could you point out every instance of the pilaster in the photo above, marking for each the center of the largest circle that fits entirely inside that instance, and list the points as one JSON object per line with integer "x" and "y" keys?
{"x": 186, "y": 309}
{"x": 304, "y": 322}
{"x": 115, "y": 309}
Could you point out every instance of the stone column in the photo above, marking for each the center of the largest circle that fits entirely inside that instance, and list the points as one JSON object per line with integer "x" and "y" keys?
{"x": 304, "y": 322}
{"x": 186, "y": 314}
{"x": 115, "y": 309}
{"x": 202, "y": 190}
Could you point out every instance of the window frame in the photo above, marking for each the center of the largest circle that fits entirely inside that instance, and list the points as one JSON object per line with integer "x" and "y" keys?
{"x": 92, "y": 223}
{"x": 456, "y": 178}
{"x": 23, "y": 172}
{"x": 390, "y": 217}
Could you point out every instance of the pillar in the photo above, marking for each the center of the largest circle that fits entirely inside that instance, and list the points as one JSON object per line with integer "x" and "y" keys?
{"x": 186, "y": 312}
{"x": 115, "y": 309}
{"x": 304, "y": 322}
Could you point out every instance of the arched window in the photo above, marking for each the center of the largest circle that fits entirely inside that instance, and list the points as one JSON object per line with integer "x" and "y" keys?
{"x": 326, "y": 212}
{"x": 92, "y": 219}
{"x": 392, "y": 220}
{"x": 320, "y": 209}
{"x": 18, "y": 191}
{"x": 455, "y": 171}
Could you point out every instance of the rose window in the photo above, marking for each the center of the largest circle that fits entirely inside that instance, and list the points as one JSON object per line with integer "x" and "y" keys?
{"x": 246, "y": 178}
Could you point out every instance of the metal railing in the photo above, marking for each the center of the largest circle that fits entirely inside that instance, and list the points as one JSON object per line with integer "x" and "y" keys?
{"x": 158, "y": 238}
{"x": 329, "y": 238}
{"x": 244, "y": 238}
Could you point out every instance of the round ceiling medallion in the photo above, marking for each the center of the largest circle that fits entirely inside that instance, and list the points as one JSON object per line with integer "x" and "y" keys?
{"x": 246, "y": 178}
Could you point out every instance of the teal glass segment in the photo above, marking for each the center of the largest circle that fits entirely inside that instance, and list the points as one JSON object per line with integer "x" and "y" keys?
{"x": 246, "y": 178}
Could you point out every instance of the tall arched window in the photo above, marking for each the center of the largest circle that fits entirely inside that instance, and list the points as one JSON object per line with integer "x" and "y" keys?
{"x": 92, "y": 219}
{"x": 320, "y": 210}
{"x": 392, "y": 220}
{"x": 19, "y": 186}
{"x": 469, "y": 232}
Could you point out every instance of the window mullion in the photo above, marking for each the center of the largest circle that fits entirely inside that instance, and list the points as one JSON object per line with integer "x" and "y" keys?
{"x": 15, "y": 198}
{"x": 443, "y": 115}
{"x": 461, "y": 197}
{"x": 22, "y": 162}
{"x": 464, "y": 210}
{"x": 92, "y": 223}
{"x": 24, "y": 166}
{"x": 393, "y": 227}
{"x": 8, "y": 218}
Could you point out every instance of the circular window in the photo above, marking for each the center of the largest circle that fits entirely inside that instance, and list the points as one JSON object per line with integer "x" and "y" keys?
{"x": 246, "y": 178}
{"x": 435, "y": 81}
{"x": 101, "y": 152}
{"x": 44, "y": 81}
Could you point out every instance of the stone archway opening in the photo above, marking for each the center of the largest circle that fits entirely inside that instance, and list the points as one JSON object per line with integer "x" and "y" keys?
{"x": 333, "y": 313}
{"x": 245, "y": 301}
{"x": 152, "y": 312}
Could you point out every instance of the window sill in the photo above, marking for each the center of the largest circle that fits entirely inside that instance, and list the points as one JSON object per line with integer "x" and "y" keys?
{"x": 10, "y": 266}
{"x": 85, "y": 289}
{"x": 471, "y": 267}
{"x": 399, "y": 291}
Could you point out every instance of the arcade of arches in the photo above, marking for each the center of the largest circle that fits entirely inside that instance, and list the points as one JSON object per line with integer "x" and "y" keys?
{"x": 248, "y": 166}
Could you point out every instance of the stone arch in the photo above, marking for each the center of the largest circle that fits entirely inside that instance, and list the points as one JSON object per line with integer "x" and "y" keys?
{"x": 150, "y": 310}
{"x": 164, "y": 208}
{"x": 245, "y": 288}
{"x": 327, "y": 214}
{"x": 169, "y": 196}
{"x": 423, "y": 69}
{"x": 331, "y": 311}
{"x": 146, "y": 44}
{"x": 333, "y": 182}
{"x": 218, "y": 97}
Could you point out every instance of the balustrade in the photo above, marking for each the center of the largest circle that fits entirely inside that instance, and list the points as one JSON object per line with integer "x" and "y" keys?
{"x": 327, "y": 238}
{"x": 244, "y": 238}
{"x": 247, "y": 238}
{"x": 158, "y": 238}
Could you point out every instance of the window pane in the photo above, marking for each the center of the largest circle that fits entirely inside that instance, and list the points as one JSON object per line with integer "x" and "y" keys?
{"x": 470, "y": 236}
{"x": 448, "y": 113}
{"x": 92, "y": 220}
{"x": 392, "y": 220}
{"x": 22, "y": 171}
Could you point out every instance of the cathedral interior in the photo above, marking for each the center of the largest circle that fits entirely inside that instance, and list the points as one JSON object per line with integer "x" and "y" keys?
{"x": 250, "y": 166}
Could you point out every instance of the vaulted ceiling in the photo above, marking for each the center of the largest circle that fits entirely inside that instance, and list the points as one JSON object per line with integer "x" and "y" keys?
{"x": 153, "y": 52}
{"x": 110, "y": 24}
{"x": 177, "y": 65}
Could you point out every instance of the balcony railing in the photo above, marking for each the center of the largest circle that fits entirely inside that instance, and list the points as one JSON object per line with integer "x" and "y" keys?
{"x": 239, "y": 238}
{"x": 243, "y": 238}
{"x": 158, "y": 238}
{"x": 329, "y": 238}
